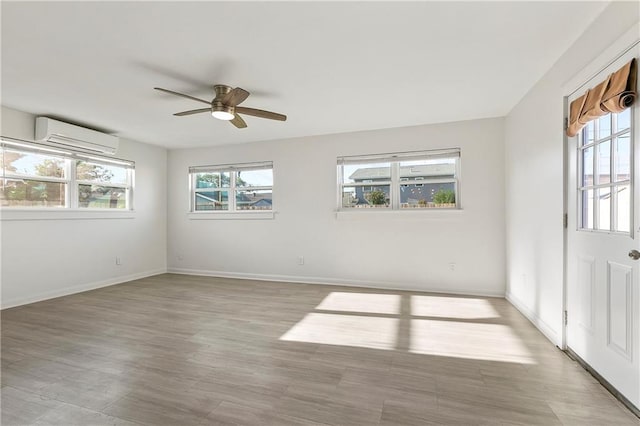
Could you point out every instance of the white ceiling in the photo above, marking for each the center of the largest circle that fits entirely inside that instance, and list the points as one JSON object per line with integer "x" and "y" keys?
{"x": 331, "y": 67}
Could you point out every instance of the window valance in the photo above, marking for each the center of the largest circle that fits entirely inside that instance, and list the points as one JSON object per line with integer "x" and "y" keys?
{"x": 615, "y": 94}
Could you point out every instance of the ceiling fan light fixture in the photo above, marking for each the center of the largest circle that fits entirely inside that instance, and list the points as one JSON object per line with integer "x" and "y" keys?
{"x": 222, "y": 111}
{"x": 222, "y": 115}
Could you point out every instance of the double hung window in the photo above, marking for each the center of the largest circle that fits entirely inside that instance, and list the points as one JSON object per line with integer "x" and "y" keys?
{"x": 232, "y": 187}
{"x": 43, "y": 177}
{"x": 400, "y": 181}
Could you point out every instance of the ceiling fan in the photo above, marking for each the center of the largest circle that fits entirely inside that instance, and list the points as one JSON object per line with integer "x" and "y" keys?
{"x": 225, "y": 106}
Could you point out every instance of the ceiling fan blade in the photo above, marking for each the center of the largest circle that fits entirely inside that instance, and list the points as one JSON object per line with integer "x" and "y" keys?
{"x": 238, "y": 122}
{"x": 182, "y": 94}
{"x": 193, "y": 111}
{"x": 235, "y": 97}
{"x": 261, "y": 113}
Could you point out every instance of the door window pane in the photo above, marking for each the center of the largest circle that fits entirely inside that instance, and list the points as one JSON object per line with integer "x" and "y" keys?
{"x": 212, "y": 200}
{"x": 604, "y": 126}
{"x": 254, "y": 200}
{"x": 587, "y": 208}
{"x": 101, "y": 197}
{"x": 32, "y": 193}
{"x": 588, "y": 133}
{"x": 622, "y": 158}
{"x": 587, "y": 167}
{"x": 624, "y": 120}
{"x": 604, "y": 209}
{"x": 604, "y": 162}
{"x": 623, "y": 211}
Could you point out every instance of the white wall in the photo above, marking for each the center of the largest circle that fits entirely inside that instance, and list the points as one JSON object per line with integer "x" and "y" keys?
{"x": 405, "y": 250}
{"x": 534, "y": 176}
{"x": 48, "y": 258}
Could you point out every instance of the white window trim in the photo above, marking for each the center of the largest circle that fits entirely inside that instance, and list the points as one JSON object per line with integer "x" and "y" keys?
{"x": 70, "y": 211}
{"x": 15, "y": 214}
{"x": 395, "y": 181}
{"x": 232, "y": 212}
{"x": 226, "y": 215}
{"x": 444, "y": 214}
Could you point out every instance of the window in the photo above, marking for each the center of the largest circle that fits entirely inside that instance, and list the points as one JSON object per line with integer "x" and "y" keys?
{"x": 232, "y": 188}
{"x": 604, "y": 173}
{"x": 412, "y": 180}
{"x": 43, "y": 177}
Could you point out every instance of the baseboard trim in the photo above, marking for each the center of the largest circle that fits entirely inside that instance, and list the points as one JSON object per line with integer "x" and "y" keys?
{"x": 12, "y": 303}
{"x": 533, "y": 317}
{"x": 328, "y": 281}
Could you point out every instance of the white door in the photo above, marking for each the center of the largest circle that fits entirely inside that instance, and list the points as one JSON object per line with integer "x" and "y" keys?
{"x": 602, "y": 228}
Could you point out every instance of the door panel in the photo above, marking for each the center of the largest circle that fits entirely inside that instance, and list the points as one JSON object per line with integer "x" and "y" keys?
{"x": 586, "y": 276}
{"x": 620, "y": 309}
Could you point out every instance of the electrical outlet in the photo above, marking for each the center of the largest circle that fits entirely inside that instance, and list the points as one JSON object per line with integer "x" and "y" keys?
{"x": 452, "y": 266}
{"x": 300, "y": 260}
{"x": 118, "y": 260}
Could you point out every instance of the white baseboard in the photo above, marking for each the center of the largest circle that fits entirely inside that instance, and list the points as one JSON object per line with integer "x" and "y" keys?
{"x": 331, "y": 281}
{"x": 11, "y": 303}
{"x": 532, "y": 316}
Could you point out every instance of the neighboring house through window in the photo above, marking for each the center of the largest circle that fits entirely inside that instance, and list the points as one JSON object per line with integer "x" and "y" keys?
{"x": 423, "y": 180}
{"x": 232, "y": 187}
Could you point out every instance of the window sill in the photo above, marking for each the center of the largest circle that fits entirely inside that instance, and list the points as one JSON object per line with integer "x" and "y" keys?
{"x": 221, "y": 215}
{"x": 63, "y": 214}
{"x": 418, "y": 214}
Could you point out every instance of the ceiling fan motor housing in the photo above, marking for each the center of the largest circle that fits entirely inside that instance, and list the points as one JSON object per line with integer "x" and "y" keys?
{"x": 221, "y": 90}
{"x": 218, "y": 107}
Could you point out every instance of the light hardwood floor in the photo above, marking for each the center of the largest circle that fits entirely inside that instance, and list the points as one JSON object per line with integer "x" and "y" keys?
{"x": 184, "y": 350}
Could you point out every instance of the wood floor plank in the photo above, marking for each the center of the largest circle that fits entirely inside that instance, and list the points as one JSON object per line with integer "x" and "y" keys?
{"x": 174, "y": 349}
{"x": 71, "y": 415}
{"x": 20, "y": 407}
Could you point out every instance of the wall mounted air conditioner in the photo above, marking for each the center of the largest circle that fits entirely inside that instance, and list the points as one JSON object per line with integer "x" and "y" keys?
{"x": 73, "y": 136}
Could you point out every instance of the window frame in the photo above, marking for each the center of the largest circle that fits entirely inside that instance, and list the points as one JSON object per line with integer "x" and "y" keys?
{"x": 71, "y": 159}
{"x": 396, "y": 181}
{"x": 232, "y": 210}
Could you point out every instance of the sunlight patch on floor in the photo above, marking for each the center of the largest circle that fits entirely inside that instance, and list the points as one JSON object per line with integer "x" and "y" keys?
{"x": 491, "y": 342}
{"x": 345, "y": 330}
{"x": 431, "y": 325}
{"x": 361, "y": 302}
{"x": 452, "y": 307}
